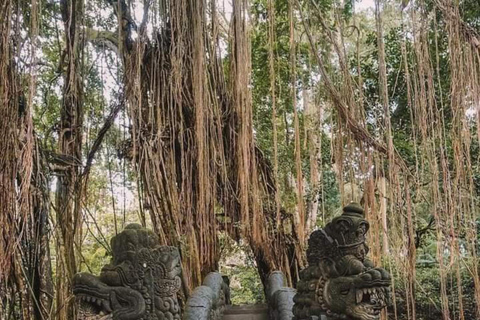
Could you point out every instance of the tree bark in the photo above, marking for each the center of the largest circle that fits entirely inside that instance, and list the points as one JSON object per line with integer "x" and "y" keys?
{"x": 193, "y": 143}
{"x": 9, "y": 144}
{"x": 25, "y": 274}
{"x": 70, "y": 144}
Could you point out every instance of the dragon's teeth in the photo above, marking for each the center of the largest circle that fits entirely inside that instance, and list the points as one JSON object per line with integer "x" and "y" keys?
{"x": 106, "y": 305}
{"x": 359, "y": 296}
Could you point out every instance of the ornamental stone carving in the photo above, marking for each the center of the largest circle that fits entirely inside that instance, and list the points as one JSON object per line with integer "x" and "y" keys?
{"x": 141, "y": 282}
{"x": 340, "y": 282}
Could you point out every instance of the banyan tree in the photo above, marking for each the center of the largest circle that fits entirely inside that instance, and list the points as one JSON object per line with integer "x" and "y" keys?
{"x": 192, "y": 136}
{"x": 253, "y": 120}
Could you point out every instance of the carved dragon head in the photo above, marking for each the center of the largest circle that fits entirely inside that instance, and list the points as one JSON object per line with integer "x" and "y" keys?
{"x": 360, "y": 297}
{"x": 141, "y": 282}
{"x": 346, "y": 284}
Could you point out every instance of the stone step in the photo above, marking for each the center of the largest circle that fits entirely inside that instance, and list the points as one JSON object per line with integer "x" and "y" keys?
{"x": 246, "y": 312}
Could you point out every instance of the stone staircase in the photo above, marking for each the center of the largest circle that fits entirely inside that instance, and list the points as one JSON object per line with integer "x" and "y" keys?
{"x": 246, "y": 312}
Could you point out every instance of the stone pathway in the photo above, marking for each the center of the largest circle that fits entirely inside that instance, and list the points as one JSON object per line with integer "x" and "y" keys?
{"x": 246, "y": 312}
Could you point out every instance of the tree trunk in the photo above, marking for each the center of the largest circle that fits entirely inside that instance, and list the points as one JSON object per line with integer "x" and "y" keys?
{"x": 193, "y": 143}
{"x": 25, "y": 274}
{"x": 9, "y": 144}
{"x": 69, "y": 146}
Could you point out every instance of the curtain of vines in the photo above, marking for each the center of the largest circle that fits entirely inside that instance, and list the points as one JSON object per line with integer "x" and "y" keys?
{"x": 442, "y": 150}
{"x": 193, "y": 139}
{"x": 194, "y": 145}
{"x": 25, "y": 272}
{"x": 68, "y": 199}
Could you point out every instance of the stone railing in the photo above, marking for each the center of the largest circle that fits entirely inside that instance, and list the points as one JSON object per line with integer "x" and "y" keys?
{"x": 279, "y": 297}
{"x": 208, "y": 301}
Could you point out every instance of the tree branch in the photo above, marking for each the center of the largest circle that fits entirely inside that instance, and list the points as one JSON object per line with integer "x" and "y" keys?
{"x": 106, "y": 38}
{"x": 125, "y": 21}
{"x": 421, "y": 232}
{"x": 359, "y": 132}
{"x": 101, "y": 135}
{"x": 469, "y": 34}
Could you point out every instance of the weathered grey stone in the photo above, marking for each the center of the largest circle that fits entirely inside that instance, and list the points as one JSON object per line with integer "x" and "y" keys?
{"x": 283, "y": 299}
{"x": 141, "y": 282}
{"x": 246, "y": 312}
{"x": 279, "y": 297}
{"x": 200, "y": 304}
{"x": 275, "y": 281}
{"x": 340, "y": 282}
{"x": 214, "y": 280}
{"x": 208, "y": 301}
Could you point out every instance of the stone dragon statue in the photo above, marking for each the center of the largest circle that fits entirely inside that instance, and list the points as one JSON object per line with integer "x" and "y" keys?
{"x": 141, "y": 282}
{"x": 340, "y": 282}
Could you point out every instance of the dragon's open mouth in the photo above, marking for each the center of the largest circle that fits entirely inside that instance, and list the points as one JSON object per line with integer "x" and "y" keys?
{"x": 361, "y": 297}
{"x": 373, "y": 296}
{"x": 93, "y": 308}
{"x": 367, "y": 311}
{"x": 370, "y": 301}
{"x": 96, "y": 298}
{"x": 92, "y": 295}
{"x": 93, "y": 304}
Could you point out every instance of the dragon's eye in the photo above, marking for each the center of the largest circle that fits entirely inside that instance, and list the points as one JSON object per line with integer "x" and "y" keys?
{"x": 344, "y": 291}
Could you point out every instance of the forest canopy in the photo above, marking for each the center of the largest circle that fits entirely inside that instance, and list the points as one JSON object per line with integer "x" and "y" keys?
{"x": 227, "y": 125}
